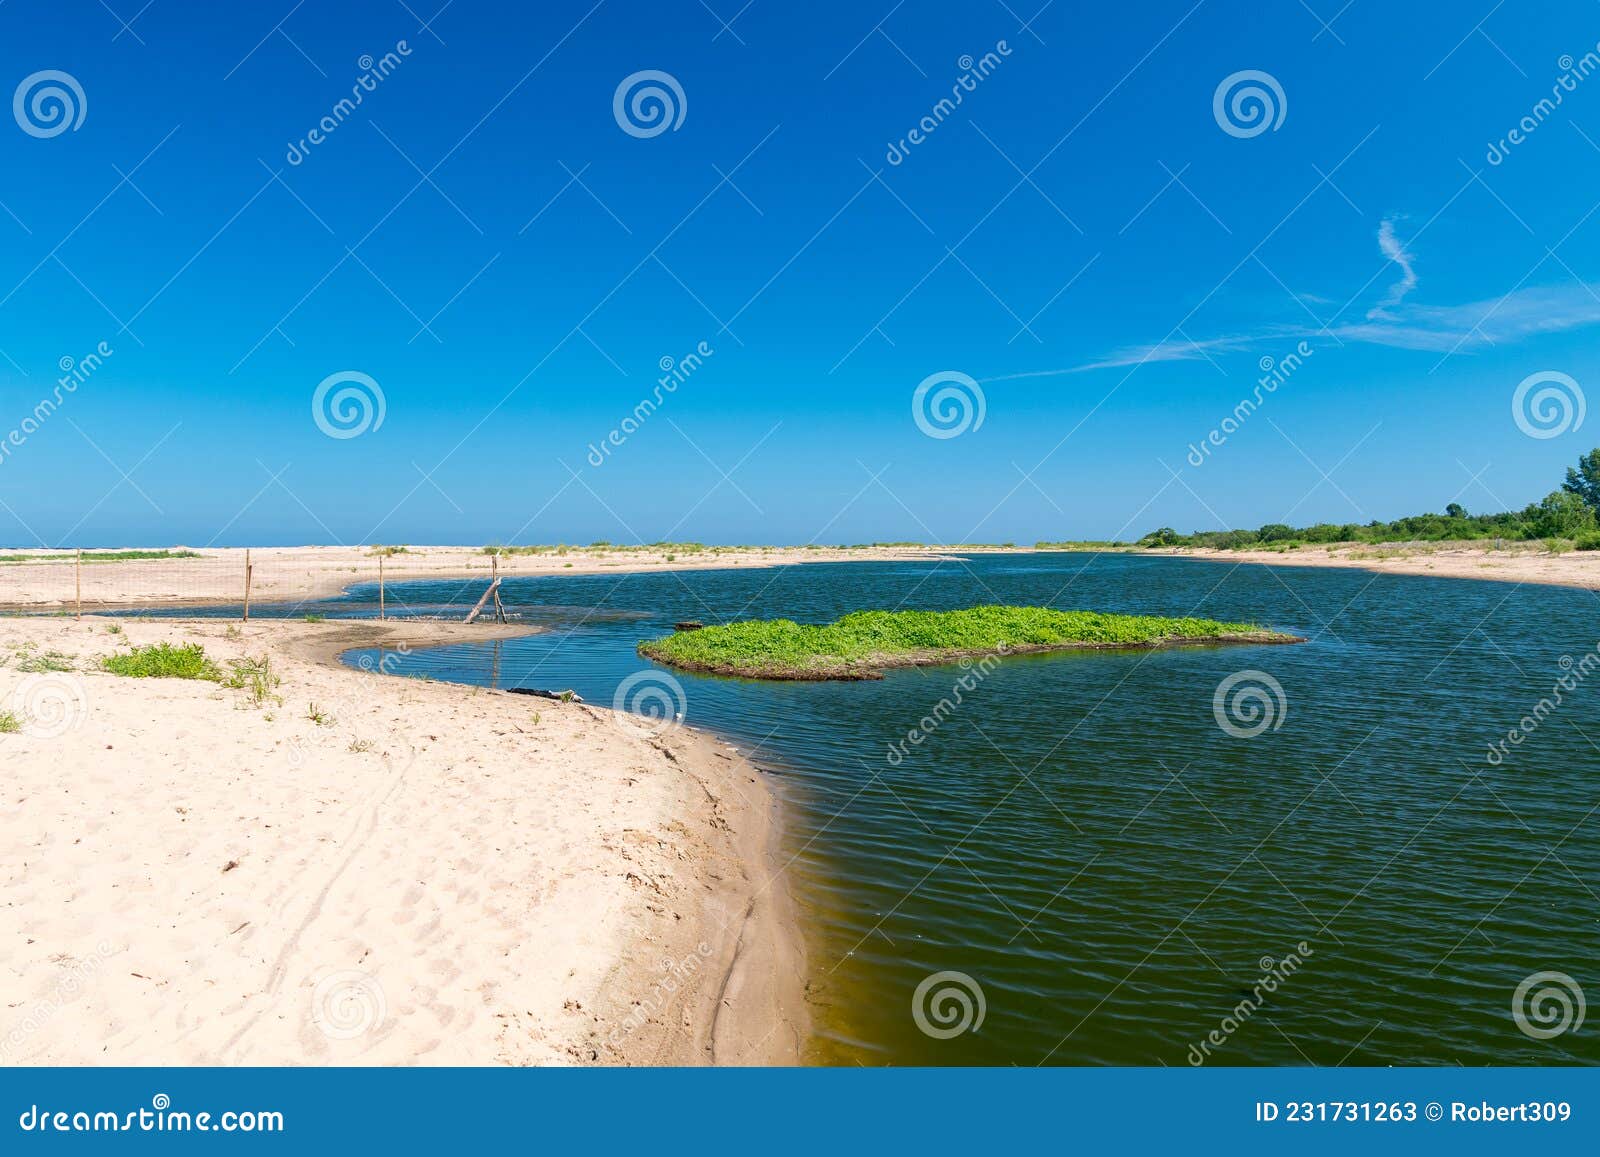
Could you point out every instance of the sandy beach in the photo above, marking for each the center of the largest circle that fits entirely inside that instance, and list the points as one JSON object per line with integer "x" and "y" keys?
{"x": 364, "y": 869}
{"x": 1515, "y": 562}
{"x": 367, "y": 869}
{"x": 42, "y": 579}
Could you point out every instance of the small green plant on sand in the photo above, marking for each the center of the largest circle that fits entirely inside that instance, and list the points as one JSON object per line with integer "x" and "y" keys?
{"x": 9, "y": 723}
{"x": 318, "y": 716}
{"x": 113, "y": 628}
{"x": 255, "y": 678}
{"x": 358, "y": 746}
{"x": 164, "y": 661}
{"x": 316, "y": 618}
{"x": 48, "y": 661}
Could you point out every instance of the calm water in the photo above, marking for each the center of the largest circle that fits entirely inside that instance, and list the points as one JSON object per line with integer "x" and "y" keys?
{"x": 1100, "y": 860}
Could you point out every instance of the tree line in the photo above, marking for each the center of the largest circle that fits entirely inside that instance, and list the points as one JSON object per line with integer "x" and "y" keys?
{"x": 1568, "y": 516}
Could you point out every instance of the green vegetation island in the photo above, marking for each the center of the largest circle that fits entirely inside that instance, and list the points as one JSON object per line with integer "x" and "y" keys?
{"x": 864, "y": 644}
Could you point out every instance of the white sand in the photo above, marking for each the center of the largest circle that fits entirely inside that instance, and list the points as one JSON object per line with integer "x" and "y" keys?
{"x": 285, "y": 574}
{"x": 434, "y": 875}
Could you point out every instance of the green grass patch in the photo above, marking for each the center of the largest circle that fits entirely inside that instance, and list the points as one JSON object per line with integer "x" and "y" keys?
{"x": 860, "y": 645}
{"x": 164, "y": 661}
{"x": 255, "y": 677}
{"x": 33, "y": 664}
{"x": 9, "y": 723}
{"x": 97, "y": 556}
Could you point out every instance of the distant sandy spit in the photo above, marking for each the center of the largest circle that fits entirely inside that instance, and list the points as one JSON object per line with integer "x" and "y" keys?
{"x": 44, "y": 580}
{"x": 1515, "y": 563}
{"x": 366, "y": 869}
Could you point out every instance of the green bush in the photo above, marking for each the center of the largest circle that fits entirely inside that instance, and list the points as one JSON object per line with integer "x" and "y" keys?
{"x": 164, "y": 661}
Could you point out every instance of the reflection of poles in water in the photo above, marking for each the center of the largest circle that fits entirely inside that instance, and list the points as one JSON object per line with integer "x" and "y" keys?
{"x": 494, "y": 667}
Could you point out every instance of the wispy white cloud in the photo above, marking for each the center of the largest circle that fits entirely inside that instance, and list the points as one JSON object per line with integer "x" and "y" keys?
{"x": 1520, "y": 314}
{"x": 1393, "y": 322}
{"x": 1395, "y": 252}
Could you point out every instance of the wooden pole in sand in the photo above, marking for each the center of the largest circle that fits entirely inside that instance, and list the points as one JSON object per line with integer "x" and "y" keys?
{"x": 77, "y": 580}
{"x": 247, "y": 570}
{"x": 477, "y": 609}
{"x": 380, "y": 588}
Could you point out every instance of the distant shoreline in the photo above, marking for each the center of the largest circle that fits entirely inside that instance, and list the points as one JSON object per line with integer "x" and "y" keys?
{"x": 1579, "y": 570}
{"x": 216, "y": 577}
{"x": 287, "y": 575}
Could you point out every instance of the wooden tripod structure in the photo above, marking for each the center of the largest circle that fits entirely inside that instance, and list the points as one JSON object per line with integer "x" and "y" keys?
{"x": 492, "y": 592}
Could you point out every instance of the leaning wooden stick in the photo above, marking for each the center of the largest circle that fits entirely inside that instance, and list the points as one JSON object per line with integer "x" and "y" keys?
{"x": 473, "y": 614}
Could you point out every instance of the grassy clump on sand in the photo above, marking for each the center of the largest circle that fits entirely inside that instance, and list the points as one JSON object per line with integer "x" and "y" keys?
{"x": 860, "y": 645}
{"x": 98, "y": 556}
{"x": 164, "y": 661}
{"x": 256, "y": 678}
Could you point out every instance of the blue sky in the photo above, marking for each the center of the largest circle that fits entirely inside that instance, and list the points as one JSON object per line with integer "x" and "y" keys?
{"x": 1081, "y": 236}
